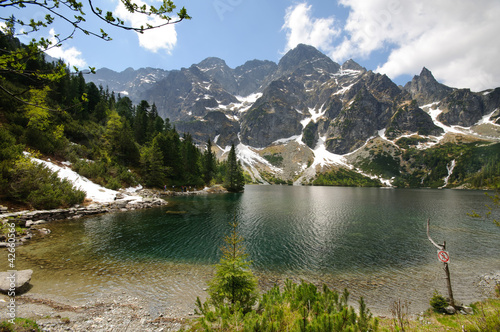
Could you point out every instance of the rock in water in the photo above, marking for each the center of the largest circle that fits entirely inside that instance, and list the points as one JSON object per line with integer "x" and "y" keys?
{"x": 17, "y": 281}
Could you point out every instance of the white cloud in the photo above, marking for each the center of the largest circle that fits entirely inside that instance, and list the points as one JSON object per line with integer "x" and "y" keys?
{"x": 155, "y": 39}
{"x": 456, "y": 40}
{"x": 71, "y": 55}
{"x": 302, "y": 28}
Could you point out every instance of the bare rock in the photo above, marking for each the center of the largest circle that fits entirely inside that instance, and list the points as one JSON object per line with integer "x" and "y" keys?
{"x": 17, "y": 281}
{"x": 450, "y": 310}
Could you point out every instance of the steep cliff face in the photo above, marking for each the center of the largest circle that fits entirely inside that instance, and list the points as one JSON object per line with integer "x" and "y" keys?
{"x": 308, "y": 114}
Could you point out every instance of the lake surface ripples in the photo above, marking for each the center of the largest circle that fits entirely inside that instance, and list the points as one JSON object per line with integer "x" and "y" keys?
{"x": 369, "y": 240}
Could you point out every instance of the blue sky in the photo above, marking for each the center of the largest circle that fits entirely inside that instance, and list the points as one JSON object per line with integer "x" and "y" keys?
{"x": 456, "y": 40}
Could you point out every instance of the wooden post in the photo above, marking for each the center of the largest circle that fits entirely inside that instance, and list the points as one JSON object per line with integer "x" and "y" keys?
{"x": 446, "y": 270}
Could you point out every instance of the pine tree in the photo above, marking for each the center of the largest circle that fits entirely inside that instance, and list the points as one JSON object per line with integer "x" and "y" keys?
{"x": 234, "y": 283}
{"x": 234, "y": 180}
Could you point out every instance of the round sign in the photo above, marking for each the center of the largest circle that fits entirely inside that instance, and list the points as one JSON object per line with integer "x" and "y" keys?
{"x": 443, "y": 256}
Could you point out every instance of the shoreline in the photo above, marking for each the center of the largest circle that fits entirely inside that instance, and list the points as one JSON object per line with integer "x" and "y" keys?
{"x": 144, "y": 199}
{"x": 122, "y": 311}
{"x": 106, "y": 312}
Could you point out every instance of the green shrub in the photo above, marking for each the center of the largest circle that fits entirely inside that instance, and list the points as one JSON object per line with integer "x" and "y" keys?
{"x": 298, "y": 307}
{"x": 438, "y": 302}
{"x": 38, "y": 186}
{"x": 19, "y": 325}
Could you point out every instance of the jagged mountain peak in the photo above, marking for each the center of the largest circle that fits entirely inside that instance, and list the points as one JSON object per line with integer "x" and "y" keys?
{"x": 305, "y": 54}
{"x": 426, "y": 89}
{"x": 352, "y": 65}
{"x": 211, "y": 63}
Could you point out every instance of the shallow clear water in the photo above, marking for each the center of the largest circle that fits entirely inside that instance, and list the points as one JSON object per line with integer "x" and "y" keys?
{"x": 370, "y": 240}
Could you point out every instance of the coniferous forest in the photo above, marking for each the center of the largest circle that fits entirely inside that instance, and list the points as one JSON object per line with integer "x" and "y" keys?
{"x": 104, "y": 135}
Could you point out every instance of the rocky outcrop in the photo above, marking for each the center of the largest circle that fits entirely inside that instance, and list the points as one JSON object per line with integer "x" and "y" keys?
{"x": 213, "y": 124}
{"x": 411, "y": 119}
{"x": 274, "y": 116}
{"x": 425, "y": 89}
{"x": 131, "y": 83}
{"x": 465, "y": 108}
{"x": 241, "y": 81}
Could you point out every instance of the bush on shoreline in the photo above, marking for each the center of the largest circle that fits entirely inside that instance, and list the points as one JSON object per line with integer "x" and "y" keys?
{"x": 36, "y": 185}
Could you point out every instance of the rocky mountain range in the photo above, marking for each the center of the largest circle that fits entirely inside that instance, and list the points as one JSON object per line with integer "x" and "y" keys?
{"x": 307, "y": 114}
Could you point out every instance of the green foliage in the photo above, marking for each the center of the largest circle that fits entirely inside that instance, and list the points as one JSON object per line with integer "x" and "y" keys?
{"x": 191, "y": 162}
{"x": 298, "y": 307}
{"x": 477, "y": 166}
{"x": 275, "y": 159}
{"x": 308, "y": 136}
{"x": 153, "y": 171}
{"x": 270, "y": 178}
{"x": 345, "y": 177}
{"x": 19, "y": 325}
{"x": 382, "y": 164}
{"x": 406, "y": 142}
{"x": 234, "y": 284}
{"x": 486, "y": 317}
{"x": 106, "y": 174}
{"x": 39, "y": 187}
{"x": 438, "y": 302}
{"x": 209, "y": 163}
{"x": 234, "y": 180}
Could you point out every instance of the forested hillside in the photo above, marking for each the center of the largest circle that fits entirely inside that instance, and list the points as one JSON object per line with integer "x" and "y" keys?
{"x": 103, "y": 135}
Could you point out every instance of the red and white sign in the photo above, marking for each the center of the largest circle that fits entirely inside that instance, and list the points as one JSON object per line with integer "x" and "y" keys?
{"x": 443, "y": 256}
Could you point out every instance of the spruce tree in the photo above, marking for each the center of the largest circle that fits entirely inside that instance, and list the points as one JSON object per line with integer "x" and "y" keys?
{"x": 234, "y": 283}
{"x": 209, "y": 163}
{"x": 152, "y": 165}
{"x": 234, "y": 180}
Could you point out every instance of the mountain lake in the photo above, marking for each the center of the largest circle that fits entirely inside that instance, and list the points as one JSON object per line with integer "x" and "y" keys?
{"x": 371, "y": 241}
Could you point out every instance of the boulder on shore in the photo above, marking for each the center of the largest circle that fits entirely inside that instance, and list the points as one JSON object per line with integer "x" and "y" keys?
{"x": 17, "y": 281}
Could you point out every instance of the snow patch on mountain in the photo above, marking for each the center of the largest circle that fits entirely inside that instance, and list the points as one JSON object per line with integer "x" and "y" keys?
{"x": 93, "y": 191}
{"x": 487, "y": 119}
{"x": 322, "y": 157}
{"x": 248, "y": 156}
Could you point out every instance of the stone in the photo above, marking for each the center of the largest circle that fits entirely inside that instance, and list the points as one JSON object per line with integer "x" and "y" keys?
{"x": 17, "y": 281}
{"x": 44, "y": 231}
{"x": 450, "y": 310}
{"x": 468, "y": 310}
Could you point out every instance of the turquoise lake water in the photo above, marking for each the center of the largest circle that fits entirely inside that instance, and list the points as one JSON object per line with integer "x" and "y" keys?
{"x": 370, "y": 240}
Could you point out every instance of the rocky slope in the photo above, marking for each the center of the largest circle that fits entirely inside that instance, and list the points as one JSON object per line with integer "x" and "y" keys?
{"x": 308, "y": 114}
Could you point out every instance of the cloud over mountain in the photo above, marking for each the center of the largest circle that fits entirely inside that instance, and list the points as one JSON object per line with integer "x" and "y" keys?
{"x": 455, "y": 39}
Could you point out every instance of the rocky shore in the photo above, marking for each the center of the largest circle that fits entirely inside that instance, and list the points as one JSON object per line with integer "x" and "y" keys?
{"x": 29, "y": 221}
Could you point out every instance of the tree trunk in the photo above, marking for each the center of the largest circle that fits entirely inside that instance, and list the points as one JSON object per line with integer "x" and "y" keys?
{"x": 446, "y": 270}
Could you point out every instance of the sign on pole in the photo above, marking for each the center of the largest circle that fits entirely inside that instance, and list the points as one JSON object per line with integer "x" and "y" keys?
{"x": 443, "y": 256}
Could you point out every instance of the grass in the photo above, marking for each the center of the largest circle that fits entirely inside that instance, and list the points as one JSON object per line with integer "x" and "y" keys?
{"x": 486, "y": 318}
{"x": 20, "y": 325}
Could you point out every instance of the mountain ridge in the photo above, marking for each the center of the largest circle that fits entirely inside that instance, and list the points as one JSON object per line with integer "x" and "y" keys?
{"x": 309, "y": 101}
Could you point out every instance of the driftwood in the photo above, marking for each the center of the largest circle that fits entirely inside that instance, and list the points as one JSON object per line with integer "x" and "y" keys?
{"x": 446, "y": 269}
